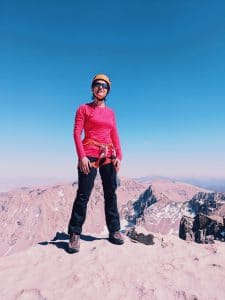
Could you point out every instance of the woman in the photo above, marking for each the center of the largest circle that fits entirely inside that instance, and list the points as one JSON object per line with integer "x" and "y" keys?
{"x": 101, "y": 149}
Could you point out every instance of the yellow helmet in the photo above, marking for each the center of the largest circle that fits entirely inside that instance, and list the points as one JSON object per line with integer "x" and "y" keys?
{"x": 102, "y": 77}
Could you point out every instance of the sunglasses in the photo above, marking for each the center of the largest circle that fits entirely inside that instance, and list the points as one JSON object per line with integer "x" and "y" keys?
{"x": 101, "y": 85}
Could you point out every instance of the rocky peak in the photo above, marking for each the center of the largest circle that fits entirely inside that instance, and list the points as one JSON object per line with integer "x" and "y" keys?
{"x": 207, "y": 203}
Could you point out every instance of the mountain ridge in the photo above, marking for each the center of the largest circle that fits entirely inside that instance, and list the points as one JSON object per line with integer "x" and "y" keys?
{"x": 31, "y": 215}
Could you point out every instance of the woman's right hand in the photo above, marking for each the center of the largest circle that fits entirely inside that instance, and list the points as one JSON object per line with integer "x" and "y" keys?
{"x": 84, "y": 165}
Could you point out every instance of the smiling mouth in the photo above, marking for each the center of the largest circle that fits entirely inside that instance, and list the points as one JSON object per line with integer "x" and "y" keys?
{"x": 100, "y": 93}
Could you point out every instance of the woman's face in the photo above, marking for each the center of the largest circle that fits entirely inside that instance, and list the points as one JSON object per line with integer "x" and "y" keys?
{"x": 100, "y": 89}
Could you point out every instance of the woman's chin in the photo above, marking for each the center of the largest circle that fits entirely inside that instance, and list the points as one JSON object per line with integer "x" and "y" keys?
{"x": 100, "y": 97}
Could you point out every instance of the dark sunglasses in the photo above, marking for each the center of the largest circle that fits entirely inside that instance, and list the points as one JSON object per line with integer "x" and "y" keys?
{"x": 102, "y": 85}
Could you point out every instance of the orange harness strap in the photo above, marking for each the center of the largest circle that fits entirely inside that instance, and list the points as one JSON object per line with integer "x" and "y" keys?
{"x": 101, "y": 162}
{"x": 103, "y": 159}
{"x": 93, "y": 142}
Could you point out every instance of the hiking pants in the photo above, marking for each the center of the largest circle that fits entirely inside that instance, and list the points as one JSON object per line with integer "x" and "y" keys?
{"x": 85, "y": 186}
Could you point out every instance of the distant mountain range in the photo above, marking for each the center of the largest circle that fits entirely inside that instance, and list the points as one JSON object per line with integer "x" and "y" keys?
{"x": 32, "y": 215}
{"x": 216, "y": 184}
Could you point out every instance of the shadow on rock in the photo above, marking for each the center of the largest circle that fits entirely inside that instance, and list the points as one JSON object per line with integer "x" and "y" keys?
{"x": 90, "y": 238}
{"x": 58, "y": 241}
{"x": 60, "y": 245}
{"x": 59, "y": 238}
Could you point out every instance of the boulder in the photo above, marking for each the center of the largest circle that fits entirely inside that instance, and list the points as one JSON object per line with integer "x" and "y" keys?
{"x": 202, "y": 228}
{"x": 141, "y": 237}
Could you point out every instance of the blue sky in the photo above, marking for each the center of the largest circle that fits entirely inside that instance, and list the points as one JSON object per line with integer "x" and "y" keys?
{"x": 166, "y": 60}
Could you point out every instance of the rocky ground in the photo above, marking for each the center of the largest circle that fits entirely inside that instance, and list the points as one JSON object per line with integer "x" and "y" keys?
{"x": 169, "y": 269}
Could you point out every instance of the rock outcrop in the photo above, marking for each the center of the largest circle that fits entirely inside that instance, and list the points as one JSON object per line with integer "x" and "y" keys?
{"x": 161, "y": 206}
{"x": 207, "y": 203}
{"x": 202, "y": 228}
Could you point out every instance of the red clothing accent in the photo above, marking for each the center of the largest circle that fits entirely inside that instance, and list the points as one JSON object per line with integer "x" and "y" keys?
{"x": 99, "y": 124}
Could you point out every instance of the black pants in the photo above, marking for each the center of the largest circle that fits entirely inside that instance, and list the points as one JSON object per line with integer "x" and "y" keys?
{"x": 85, "y": 186}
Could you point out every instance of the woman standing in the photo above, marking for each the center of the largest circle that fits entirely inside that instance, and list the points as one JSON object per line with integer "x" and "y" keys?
{"x": 101, "y": 149}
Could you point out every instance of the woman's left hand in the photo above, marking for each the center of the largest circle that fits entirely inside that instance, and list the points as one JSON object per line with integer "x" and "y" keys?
{"x": 117, "y": 163}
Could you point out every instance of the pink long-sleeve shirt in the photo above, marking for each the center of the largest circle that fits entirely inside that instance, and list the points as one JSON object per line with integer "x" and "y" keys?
{"x": 99, "y": 124}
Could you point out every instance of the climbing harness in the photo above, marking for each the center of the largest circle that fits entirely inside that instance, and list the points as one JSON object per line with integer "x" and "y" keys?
{"x": 103, "y": 150}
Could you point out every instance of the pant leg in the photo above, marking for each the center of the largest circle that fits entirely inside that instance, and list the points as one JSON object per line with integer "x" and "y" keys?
{"x": 109, "y": 182}
{"x": 85, "y": 186}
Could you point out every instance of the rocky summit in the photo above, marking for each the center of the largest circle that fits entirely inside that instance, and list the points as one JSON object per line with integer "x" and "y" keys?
{"x": 154, "y": 263}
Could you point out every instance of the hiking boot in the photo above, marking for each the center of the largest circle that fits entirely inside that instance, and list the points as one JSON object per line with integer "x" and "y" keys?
{"x": 74, "y": 243}
{"x": 116, "y": 238}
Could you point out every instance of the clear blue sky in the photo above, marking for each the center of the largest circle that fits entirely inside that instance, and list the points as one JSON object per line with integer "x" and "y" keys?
{"x": 166, "y": 60}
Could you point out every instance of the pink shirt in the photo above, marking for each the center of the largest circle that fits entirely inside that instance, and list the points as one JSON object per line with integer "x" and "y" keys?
{"x": 99, "y": 124}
